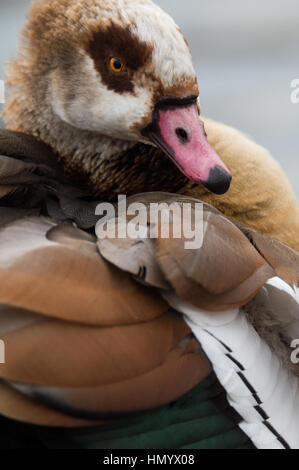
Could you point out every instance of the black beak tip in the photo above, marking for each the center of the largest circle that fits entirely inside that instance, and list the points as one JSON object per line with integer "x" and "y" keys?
{"x": 219, "y": 180}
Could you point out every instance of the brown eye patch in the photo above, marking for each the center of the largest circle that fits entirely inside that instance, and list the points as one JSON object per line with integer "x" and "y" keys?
{"x": 116, "y": 41}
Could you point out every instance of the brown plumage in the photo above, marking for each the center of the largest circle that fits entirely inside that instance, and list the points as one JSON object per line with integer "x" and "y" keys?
{"x": 84, "y": 340}
{"x": 227, "y": 271}
{"x": 100, "y": 341}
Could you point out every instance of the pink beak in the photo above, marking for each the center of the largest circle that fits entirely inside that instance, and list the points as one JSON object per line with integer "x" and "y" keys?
{"x": 177, "y": 130}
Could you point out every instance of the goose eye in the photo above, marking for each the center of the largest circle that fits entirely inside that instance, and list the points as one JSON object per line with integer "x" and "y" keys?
{"x": 117, "y": 65}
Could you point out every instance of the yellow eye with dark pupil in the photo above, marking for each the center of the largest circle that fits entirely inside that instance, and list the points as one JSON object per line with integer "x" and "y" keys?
{"x": 117, "y": 66}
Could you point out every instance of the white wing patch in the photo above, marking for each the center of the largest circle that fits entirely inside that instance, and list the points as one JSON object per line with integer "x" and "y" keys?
{"x": 258, "y": 387}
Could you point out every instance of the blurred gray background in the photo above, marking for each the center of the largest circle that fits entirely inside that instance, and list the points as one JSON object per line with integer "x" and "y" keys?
{"x": 246, "y": 55}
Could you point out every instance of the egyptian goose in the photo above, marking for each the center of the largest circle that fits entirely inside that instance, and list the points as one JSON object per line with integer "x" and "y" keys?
{"x": 99, "y": 81}
{"x": 88, "y": 344}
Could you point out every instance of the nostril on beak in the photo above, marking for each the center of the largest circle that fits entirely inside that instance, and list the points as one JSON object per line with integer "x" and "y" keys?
{"x": 182, "y": 135}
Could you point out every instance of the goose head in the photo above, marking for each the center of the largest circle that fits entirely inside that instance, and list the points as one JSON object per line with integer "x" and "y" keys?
{"x": 98, "y": 77}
